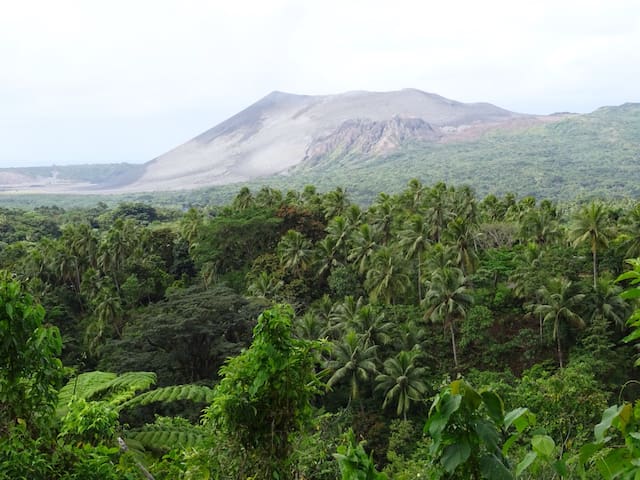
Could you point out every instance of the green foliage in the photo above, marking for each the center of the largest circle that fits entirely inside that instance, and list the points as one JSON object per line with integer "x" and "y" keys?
{"x": 474, "y": 329}
{"x": 616, "y": 450}
{"x": 313, "y": 455}
{"x": 265, "y": 392}
{"x": 566, "y": 401}
{"x": 30, "y": 370}
{"x": 632, "y": 294}
{"x": 232, "y": 241}
{"x": 541, "y": 460}
{"x": 168, "y": 433}
{"x": 89, "y": 422}
{"x": 186, "y": 337}
{"x": 23, "y": 457}
{"x": 354, "y": 462}
{"x": 172, "y": 393}
{"x": 104, "y": 278}
{"x": 104, "y": 386}
{"x": 469, "y": 428}
{"x": 402, "y": 382}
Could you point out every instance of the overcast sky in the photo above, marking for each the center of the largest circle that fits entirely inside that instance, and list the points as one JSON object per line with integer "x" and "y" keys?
{"x": 126, "y": 80}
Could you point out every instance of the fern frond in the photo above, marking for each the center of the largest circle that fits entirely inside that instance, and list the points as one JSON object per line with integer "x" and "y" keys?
{"x": 126, "y": 386}
{"x": 104, "y": 386}
{"x": 167, "y": 437}
{"x": 173, "y": 393}
{"x": 83, "y": 386}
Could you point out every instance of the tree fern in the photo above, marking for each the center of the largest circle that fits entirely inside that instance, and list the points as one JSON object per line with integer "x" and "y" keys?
{"x": 173, "y": 393}
{"x": 83, "y": 386}
{"x": 126, "y": 386}
{"x": 104, "y": 386}
{"x": 168, "y": 433}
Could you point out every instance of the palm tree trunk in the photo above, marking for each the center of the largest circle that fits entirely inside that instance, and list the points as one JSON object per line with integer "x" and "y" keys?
{"x": 541, "y": 326}
{"x": 453, "y": 344}
{"x": 559, "y": 350}
{"x": 595, "y": 268}
{"x": 419, "y": 276}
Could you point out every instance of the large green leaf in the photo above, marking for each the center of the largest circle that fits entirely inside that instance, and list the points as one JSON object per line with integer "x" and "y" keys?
{"x": 492, "y": 468}
{"x": 487, "y": 432}
{"x": 495, "y": 407}
{"x": 455, "y": 455}
{"x": 607, "y": 419}
{"x": 438, "y": 419}
{"x": 526, "y": 462}
{"x": 520, "y": 417}
{"x": 614, "y": 463}
{"x": 543, "y": 445}
{"x": 631, "y": 294}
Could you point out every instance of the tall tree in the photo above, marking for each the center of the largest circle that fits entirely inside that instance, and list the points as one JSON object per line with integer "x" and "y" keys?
{"x": 592, "y": 226}
{"x": 382, "y": 215}
{"x": 606, "y": 303}
{"x": 540, "y": 226}
{"x": 265, "y": 394}
{"x": 631, "y": 231}
{"x": 461, "y": 234}
{"x": 335, "y": 202}
{"x": 447, "y": 300}
{"x": 364, "y": 243}
{"x": 30, "y": 370}
{"x": 295, "y": 253}
{"x": 415, "y": 240}
{"x": 558, "y": 303}
{"x": 402, "y": 381}
{"x": 244, "y": 199}
{"x": 353, "y": 361}
{"x": 387, "y": 277}
{"x": 438, "y": 210}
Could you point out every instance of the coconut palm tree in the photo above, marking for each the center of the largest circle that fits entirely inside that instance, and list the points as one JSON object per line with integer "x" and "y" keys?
{"x": 606, "y": 303}
{"x": 438, "y": 210}
{"x": 268, "y": 197}
{"x": 308, "y": 327}
{"x": 462, "y": 235}
{"x": 191, "y": 225}
{"x": 387, "y": 277}
{"x": 265, "y": 285}
{"x": 413, "y": 196}
{"x": 409, "y": 335}
{"x": 414, "y": 239}
{"x": 364, "y": 243}
{"x": 438, "y": 256}
{"x": 352, "y": 361}
{"x": 371, "y": 324}
{"x": 326, "y": 256}
{"x": 334, "y": 203}
{"x": 557, "y": 303}
{"x": 402, "y": 382}
{"x": 243, "y": 200}
{"x": 631, "y": 231}
{"x": 382, "y": 215}
{"x": 339, "y": 231}
{"x": 592, "y": 226}
{"x": 344, "y": 313}
{"x": 447, "y": 300}
{"x": 540, "y": 226}
{"x": 294, "y": 252}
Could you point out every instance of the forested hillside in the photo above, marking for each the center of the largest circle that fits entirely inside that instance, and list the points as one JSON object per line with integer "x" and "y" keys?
{"x": 435, "y": 333}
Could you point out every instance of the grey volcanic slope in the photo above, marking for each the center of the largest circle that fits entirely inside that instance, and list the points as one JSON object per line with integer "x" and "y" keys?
{"x": 282, "y": 130}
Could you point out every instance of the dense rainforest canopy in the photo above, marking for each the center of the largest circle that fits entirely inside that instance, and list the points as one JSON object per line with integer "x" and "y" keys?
{"x": 431, "y": 334}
